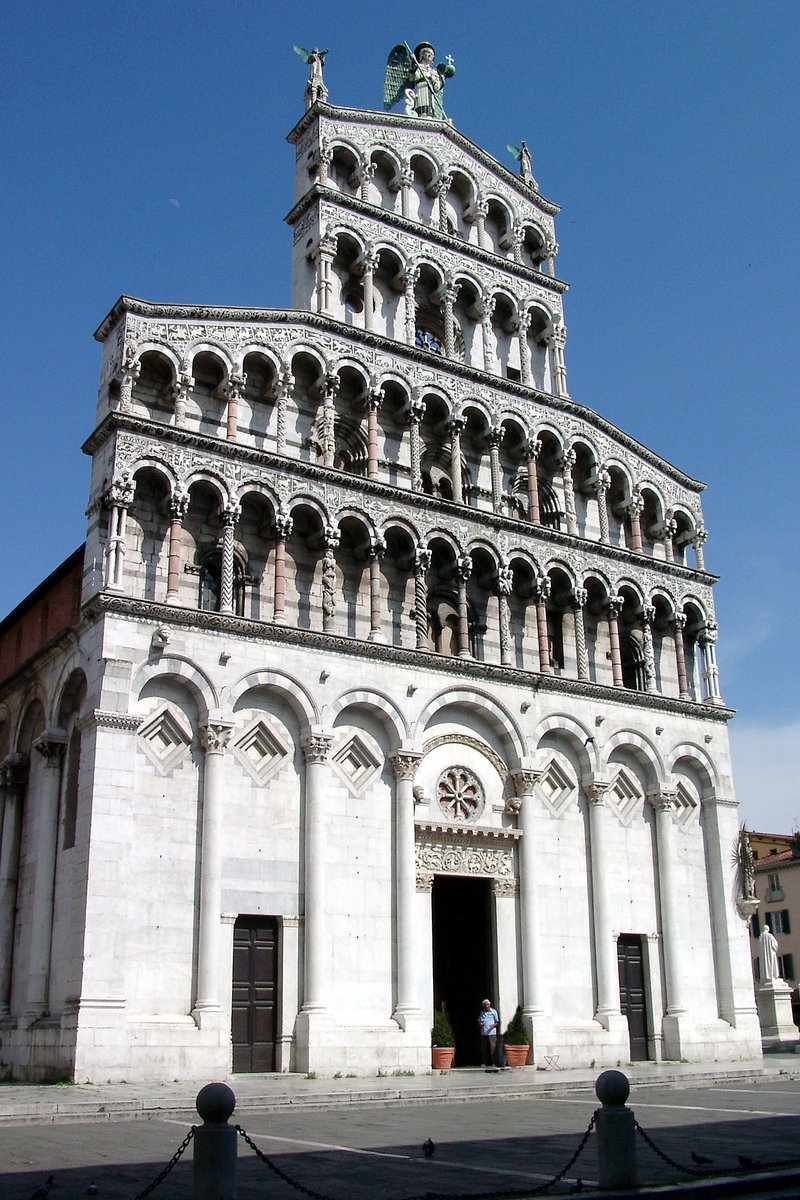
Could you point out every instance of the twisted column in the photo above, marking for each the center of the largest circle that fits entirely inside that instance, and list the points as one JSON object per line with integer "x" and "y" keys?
{"x": 181, "y": 392}
{"x": 579, "y": 598}
{"x": 330, "y": 390}
{"x": 648, "y": 615}
{"x": 550, "y": 252}
{"x": 316, "y": 748}
{"x": 464, "y": 567}
{"x": 283, "y": 530}
{"x": 404, "y": 764}
{"x": 486, "y": 309}
{"x": 422, "y": 562}
{"x": 406, "y": 179}
{"x": 523, "y": 325}
{"x": 369, "y": 263}
{"x": 542, "y": 592}
{"x": 415, "y": 414}
{"x": 698, "y": 541}
{"x": 481, "y": 213}
{"x": 215, "y": 737}
{"x": 410, "y": 304}
{"x": 51, "y": 746}
{"x": 442, "y": 188}
{"x": 614, "y": 605}
{"x": 178, "y": 504}
{"x": 556, "y": 340}
{"x": 230, "y": 515}
{"x": 601, "y": 485}
{"x": 449, "y": 294}
{"x": 285, "y": 386}
{"x": 567, "y": 465}
{"x": 517, "y": 238}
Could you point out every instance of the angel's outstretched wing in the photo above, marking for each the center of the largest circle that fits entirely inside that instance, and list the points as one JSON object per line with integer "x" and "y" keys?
{"x": 303, "y": 53}
{"x": 515, "y": 150}
{"x": 395, "y": 81}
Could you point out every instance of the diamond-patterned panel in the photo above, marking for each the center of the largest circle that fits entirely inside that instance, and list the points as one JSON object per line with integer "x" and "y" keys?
{"x": 260, "y": 752}
{"x": 356, "y": 763}
{"x": 625, "y": 795}
{"x": 165, "y": 739}
{"x": 556, "y": 786}
{"x": 686, "y": 804}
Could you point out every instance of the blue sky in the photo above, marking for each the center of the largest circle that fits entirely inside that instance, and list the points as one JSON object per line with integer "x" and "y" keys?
{"x": 145, "y": 154}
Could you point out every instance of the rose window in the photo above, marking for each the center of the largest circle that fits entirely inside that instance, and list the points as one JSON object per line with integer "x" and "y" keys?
{"x": 460, "y": 794}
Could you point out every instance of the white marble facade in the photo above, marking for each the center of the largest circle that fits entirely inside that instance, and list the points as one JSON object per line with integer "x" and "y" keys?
{"x": 371, "y": 603}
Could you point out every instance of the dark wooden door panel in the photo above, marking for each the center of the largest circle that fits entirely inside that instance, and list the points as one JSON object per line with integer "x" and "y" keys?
{"x": 632, "y": 997}
{"x": 255, "y": 974}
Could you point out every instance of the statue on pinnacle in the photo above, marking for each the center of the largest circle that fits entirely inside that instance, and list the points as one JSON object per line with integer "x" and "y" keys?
{"x": 411, "y": 75}
{"x": 315, "y": 88}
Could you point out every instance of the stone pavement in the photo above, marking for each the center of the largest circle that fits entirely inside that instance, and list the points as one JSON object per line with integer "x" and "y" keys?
{"x": 28, "y": 1104}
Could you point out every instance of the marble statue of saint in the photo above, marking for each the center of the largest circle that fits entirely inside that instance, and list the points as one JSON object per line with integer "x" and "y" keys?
{"x": 768, "y": 955}
{"x": 416, "y": 77}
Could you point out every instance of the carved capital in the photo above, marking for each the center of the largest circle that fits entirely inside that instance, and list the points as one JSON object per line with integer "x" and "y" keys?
{"x": 178, "y": 504}
{"x": 332, "y": 537}
{"x": 595, "y": 791}
{"x": 422, "y": 560}
{"x": 404, "y": 764}
{"x": 284, "y": 524}
{"x": 679, "y": 622}
{"x": 662, "y": 799}
{"x": 377, "y": 546}
{"x": 316, "y": 747}
{"x": 51, "y": 745}
{"x": 464, "y": 567}
{"x": 505, "y": 580}
{"x": 533, "y": 448}
{"x": 579, "y": 597}
{"x": 615, "y": 604}
{"x": 230, "y": 512}
{"x": 543, "y": 587}
{"x": 708, "y": 635}
{"x": 122, "y": 490}
{"x": 215, "y": 736}
{"x": 525, "y": 781}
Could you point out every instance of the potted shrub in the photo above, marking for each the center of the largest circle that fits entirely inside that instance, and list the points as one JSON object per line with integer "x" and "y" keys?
{"x": 442, "y": 1041}
{"x": 517, "y": 1040}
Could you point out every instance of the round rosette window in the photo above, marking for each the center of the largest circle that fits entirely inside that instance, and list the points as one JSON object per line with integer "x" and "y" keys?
{"x": 460, "y": 794}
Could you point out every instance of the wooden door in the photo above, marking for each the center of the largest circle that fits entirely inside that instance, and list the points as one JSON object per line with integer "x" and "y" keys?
{"x": 254, "y": 1008}
{"x": 631, "y": 992}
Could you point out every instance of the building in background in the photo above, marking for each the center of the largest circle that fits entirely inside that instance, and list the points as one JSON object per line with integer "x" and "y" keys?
{"x": 393, "y": 678}
{"x": 777, "y": 886}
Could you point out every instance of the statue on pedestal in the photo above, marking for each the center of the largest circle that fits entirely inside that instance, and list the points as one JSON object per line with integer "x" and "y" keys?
{"x": 315, "y": 88}
{"x": 768, "y": 955}
{"x": 523, "y": 156}
{"x": 413, "y": 75}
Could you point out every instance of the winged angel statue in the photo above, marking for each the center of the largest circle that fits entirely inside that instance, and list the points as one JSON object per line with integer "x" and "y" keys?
{"x": 413, "y": 77}
{"x": 523, "y": 156}
{"x": 315, "y": 88}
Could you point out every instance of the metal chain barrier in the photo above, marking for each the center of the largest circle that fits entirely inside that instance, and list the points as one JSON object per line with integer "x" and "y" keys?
{"x": 708, "y": 1172}
{"x": 162, "y": 1175}
{"x": 503, "y": 1195}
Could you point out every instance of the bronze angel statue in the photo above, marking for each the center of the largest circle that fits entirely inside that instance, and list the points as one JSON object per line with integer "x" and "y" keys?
{"x": 412, "y": 76}
{"x": 523, "y": 156}
{"x": 315, "y": 88}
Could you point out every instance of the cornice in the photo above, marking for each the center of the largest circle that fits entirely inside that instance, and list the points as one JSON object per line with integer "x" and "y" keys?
{"x": 449, "y": 831}
{"x": 285, "y": 316}
{"x": 425, "y": 233}
{"x": 424, "y": 125}
{"x": 418, "y": 501}
{"x": 215, "y": 622}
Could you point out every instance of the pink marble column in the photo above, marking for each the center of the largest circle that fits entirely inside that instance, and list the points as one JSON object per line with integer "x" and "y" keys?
{"x": 283, "y": 530}
{"x": 542, "y": 592}
{"x": 678, "y": 626}
{"x": 464, "y": 572}
{"x": 615, "y": 604}
{"x": 376, "y": 552}
{"x": 374, "y": 399}
{"x": 532, "y": 451}
{"x": 178, "y": 504}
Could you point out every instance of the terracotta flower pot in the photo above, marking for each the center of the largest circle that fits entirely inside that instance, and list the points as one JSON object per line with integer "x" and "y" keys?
{"x": 442, "y": 1057}
{"x": 517, "y": 1056}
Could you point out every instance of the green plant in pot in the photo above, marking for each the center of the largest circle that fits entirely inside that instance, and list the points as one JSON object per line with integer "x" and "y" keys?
{"x": 517, "y": 1040}
{"x": 442, "y": 1041}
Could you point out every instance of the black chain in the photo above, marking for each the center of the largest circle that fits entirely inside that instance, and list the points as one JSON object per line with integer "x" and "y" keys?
{"x": 504, "y": 1195}
{"x": 666, "y": 1158}
{"x": 162, "y": 1175}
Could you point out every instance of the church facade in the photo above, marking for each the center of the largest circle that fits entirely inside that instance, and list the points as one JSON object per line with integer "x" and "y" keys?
{"x": 391, "y": 681}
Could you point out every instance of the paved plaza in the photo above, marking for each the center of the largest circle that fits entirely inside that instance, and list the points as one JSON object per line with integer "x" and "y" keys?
{"x": 491, "y": 1133}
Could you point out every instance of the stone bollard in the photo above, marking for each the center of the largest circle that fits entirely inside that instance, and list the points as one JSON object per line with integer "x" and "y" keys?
{"x": 215, "y": 1144}
{"x": 616, "y": 1132}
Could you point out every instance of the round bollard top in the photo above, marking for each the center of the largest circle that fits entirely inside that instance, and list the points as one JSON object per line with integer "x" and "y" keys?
{"x": 215, "y": 1102}
{"x": 612, "y": 1088}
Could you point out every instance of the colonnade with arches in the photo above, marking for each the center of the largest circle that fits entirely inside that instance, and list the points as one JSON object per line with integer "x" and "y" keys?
{"x": 414, "y": 437}
{"x": 195, "y": 545}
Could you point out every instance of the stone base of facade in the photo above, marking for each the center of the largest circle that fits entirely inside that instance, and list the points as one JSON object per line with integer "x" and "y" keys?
{"x": 687, "y": 1040}
{"x": 326, "y": 1048}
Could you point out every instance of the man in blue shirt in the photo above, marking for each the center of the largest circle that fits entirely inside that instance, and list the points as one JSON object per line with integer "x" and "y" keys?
{"x": 489, "y": 1022}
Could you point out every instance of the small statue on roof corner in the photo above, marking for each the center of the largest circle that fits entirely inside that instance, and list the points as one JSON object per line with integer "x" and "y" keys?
{"x": 412, "y": 76}
{"x": 315, "y": 88}
{"x": 523, "y": 156}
